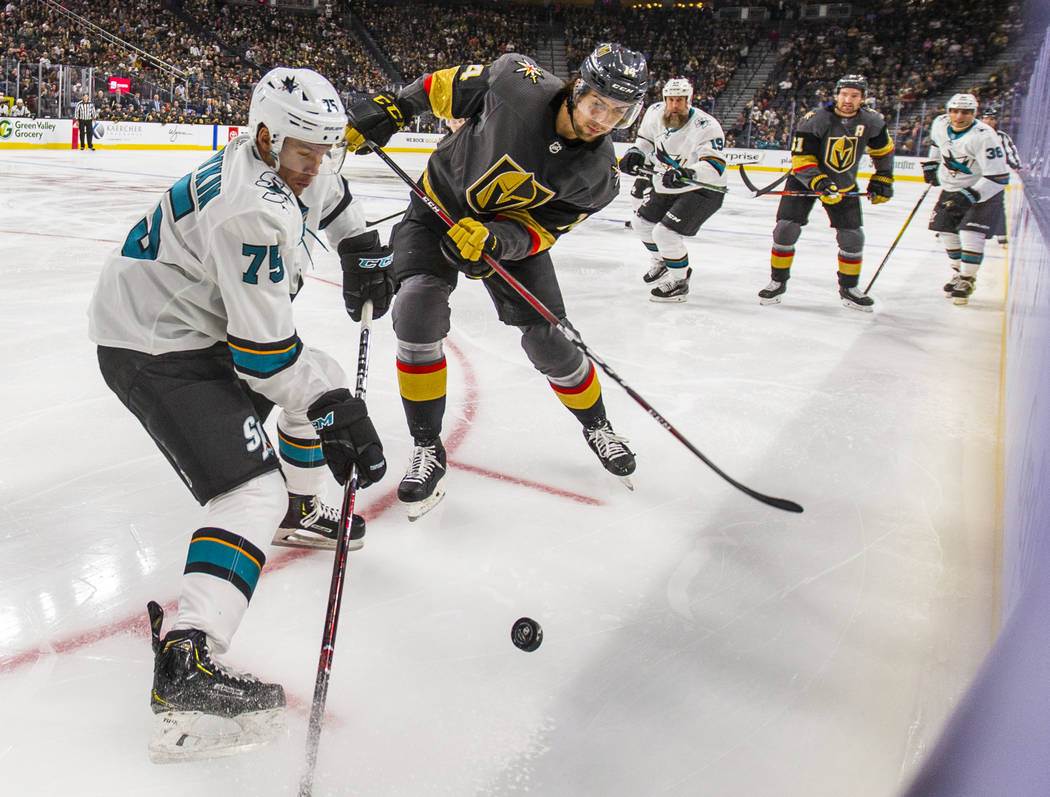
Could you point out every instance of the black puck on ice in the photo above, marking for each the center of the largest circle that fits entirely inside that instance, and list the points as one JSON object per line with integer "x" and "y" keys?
{"x": 526, "y": 634}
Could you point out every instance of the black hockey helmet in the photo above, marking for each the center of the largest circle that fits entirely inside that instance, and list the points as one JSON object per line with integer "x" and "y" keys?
{"x": 618, "y": 73}
{"x": 858, "y": 82}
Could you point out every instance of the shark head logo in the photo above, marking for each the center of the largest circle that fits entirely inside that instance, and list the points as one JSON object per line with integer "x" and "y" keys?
{"x": 289, "y": 84}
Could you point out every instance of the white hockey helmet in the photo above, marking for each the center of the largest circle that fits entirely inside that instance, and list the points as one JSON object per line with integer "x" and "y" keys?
{"x": 298, "y": 103}
{"x": 963, "y": 102}
{"x": 678, "y": 87}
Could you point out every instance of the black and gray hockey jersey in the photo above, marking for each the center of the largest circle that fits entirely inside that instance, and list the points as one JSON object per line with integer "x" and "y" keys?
{"x": 829, "y": 144}
{"x": 508, "y": 167}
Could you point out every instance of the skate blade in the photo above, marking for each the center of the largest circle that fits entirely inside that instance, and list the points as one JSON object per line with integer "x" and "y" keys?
{"x": 859, "y": 307}
{"x": 668, "y": 299}
{"x": 193, "y": 735}
{"x": 961, "y": 300}
{"x": 293, "y": 538}
{"x": 773, "y": 300}
{"x": 417, "y": 509}
{"x": 626, "y": 482}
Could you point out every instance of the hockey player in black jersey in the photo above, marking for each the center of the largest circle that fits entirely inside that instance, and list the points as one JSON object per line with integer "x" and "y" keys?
{"x": 825, "y": 157}
{"x": 533, "y": 160}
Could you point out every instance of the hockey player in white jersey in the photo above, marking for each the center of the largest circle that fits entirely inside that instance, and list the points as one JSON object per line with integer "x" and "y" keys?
{"x": 681, "y": 147}
{"x": 193, "y": 320}
{"x": 968, "y": 162}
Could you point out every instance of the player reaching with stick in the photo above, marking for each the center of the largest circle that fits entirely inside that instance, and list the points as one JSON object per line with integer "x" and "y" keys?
{"x": 195, "y": 332}
{"x": 533, "y": 160}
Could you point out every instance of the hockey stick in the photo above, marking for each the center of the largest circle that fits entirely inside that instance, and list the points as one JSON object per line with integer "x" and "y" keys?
{"x": 385, "y": 218}
{"x": 813, "y": 193}
{"x": 896, "y": 240}
{"x": 335, "y": 591}
{"x": 754, "y": 188}
{"x": 574, "y": 337}
{"x": 643, "y": 172}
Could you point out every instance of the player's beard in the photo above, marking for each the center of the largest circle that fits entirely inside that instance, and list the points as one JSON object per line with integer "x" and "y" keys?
{"x": 675, "y": 120}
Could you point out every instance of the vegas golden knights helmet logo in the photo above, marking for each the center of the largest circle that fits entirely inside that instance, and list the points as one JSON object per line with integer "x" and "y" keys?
{"x": 840, "y": 153}
{"x": 506, "y": 186}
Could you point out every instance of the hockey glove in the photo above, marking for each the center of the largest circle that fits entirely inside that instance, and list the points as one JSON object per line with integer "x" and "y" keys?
{"x": 829, "y": 192}
{"x": 366, "y": 274}
{"x": 880, "y": 188}
{"x": 465, "y": 244}
{"x": 929, "y": 172}
{"x": 348, "y": 437}
{"x": 374, "y": 120}
{"x": 640, "y": 187}
{"x": 632, "y": 160}
{"x": 678, "y": 178}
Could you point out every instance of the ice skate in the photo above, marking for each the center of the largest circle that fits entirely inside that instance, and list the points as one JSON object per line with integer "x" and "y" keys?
{"x": 310, "y": 523}
{"x": 202, "y": 709}
{"x": 855, "y": 300}
{"x": 656, "y": 271}
{"x": 423, "y": 485}
{"x": 772, "y": 292}
{"x": 673, "y": 289}
{"x": 949, "y": 286}
{"x": 612, "y": 450}
{"x": 962, "y": 290}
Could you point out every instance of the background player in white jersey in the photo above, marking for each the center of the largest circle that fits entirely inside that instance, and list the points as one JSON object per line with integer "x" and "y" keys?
{"x": 681, "y": 146}
{"x": 195, "y": 332}
{"x": 990, "y": 116}
{"x": 968, "y": 161}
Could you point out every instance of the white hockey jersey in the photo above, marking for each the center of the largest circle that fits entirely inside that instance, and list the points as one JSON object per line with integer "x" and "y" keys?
{"x": 219, "y": 259}
{"x": 973, "y": 159}
{"x": 697, "y": 145}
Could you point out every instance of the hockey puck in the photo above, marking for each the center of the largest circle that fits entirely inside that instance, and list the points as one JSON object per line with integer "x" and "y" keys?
{"x": 526, "y": 634}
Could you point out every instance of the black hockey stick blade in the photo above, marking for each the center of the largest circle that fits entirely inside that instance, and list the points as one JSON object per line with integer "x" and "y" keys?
{"x": 385, "y": 218}
{"x": 574, "y": 337}
{"x": 755, "y": 189}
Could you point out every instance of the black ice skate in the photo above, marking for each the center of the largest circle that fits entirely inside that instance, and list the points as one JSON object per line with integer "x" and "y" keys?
{"x": 855, "y": 300}
{"x": 949, "y": 286}
{"x": 673, "y": 289}
{"x": 612, "y": 450}
{"x": 423, "y": 487}
{"x": 203, "y": 709}
{"x": 772, "y": 292}
{"x": 310, "y": 523}
{"x": 962, "y": 290}
{"x": 655, "y": 272}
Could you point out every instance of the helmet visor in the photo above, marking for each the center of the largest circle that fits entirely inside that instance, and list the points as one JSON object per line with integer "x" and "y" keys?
{"x": 604, "y": 111}
{"x": 305, "y": 157}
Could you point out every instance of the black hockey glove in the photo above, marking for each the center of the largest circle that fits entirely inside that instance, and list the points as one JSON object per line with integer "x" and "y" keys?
{"x": 366, "y": 274}
{"x": 641, "y": 185}
{"x": 375, "y": 120}
{"x": 632, "y": 160}
{"x": 880, "y": 188}
{"x": 829, "y": 192}
{"x": 678, "y": 177}
{"x": 929, "y": 172}
{"x": 347, "y": 437}
{"x": 466, "y": 243}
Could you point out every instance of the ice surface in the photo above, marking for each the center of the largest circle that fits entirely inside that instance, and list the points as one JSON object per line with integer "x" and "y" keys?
{"x": 695, "y": 642}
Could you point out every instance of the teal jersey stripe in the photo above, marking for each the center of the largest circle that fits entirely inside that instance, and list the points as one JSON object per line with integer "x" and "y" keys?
{"x": 305, "y": 456}
{"x": 230, "y": 559}
{"x": 264, "y": 364}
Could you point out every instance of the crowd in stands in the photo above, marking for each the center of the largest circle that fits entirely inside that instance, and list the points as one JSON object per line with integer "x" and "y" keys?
{"x": 205, "y": 55}
{"x": 679, "y": 42}
{"x": 910, "y": 53}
